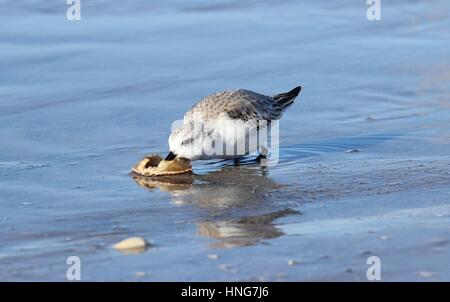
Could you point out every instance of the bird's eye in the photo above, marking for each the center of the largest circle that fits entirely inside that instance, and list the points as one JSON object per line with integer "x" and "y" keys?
{"x": 187, "y": 141}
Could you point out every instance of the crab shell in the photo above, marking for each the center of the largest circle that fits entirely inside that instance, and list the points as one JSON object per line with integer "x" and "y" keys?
{"x": 154, "y": 165}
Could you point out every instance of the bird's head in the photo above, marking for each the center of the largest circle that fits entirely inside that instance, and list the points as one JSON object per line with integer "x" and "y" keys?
{"x": 185, "y": 141}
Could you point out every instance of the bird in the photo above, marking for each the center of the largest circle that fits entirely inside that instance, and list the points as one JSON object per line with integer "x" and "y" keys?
{"x": 225, "y": 125}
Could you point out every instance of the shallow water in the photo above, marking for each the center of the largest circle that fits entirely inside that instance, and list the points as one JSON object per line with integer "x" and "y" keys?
{"x": 81, "y": 102}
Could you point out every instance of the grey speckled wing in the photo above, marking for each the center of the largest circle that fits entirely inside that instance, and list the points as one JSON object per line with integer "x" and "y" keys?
{"x": 240, "y": 104}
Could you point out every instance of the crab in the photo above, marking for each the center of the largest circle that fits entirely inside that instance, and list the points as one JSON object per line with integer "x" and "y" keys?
{"x": 154, "y": 165}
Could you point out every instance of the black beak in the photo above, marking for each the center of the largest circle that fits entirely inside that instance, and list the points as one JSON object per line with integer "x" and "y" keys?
{"x": 170, "y": 156}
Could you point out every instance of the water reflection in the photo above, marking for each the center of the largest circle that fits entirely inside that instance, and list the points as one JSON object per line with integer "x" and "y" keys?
{"x": 231, "y": 186}
{"x": 245, "y": 188}
{"x": 244, "y": 231}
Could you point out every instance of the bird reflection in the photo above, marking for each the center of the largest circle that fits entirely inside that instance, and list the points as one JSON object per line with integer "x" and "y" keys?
{"x": 228, "y": 188}
{"x": 244, "y": 231}
{"x": 231, "y": 186}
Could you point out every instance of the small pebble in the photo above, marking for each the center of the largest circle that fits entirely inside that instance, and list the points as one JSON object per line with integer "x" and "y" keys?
{"x": 366, "y": 253}
{"x": 425, "y": 274}
{"x": 131, "y": 243}
{"x": 227, "y": 268}
{"x": 292, "y": 262}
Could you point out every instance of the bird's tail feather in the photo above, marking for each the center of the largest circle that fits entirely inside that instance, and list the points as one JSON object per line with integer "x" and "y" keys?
{"x": 285, "y": 99}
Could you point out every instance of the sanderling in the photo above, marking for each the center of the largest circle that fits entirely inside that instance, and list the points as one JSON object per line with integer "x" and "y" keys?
{"x": 226, "y": 120}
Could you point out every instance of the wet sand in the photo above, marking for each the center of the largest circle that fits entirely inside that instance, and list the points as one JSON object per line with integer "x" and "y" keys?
{"x": 80, "y": 103}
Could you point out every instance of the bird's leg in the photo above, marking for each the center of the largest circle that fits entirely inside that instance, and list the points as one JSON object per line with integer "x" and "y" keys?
{"x": 262, "y": 153}
{"x": 260, "y": 157}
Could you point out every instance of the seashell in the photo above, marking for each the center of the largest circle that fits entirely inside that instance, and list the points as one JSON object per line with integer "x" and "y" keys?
{"x": 132, "y": 245}
{"x": 154, "y": 165}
